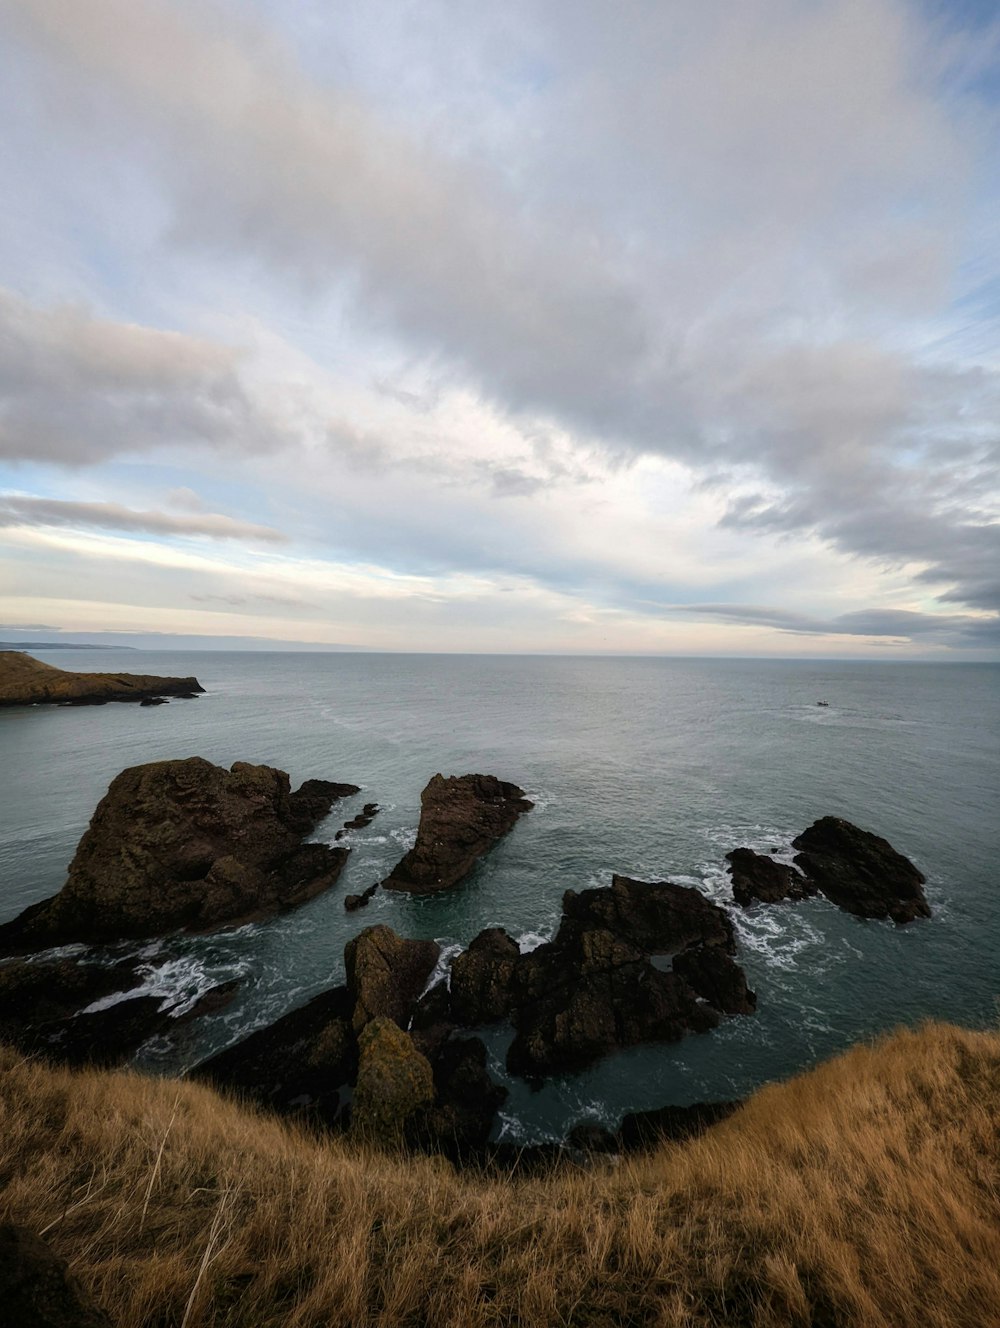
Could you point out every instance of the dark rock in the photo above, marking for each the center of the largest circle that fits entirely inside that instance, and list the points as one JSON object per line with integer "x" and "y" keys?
{"x": 311, "y": 802}
{"x": 461, "y": 1118}
{"x": 186, "y": 844}
{"x": 594, "y": 989}
{"x": 460, "y": 819}
{"x": 432, "y": 1022}
{"x": 154, "y": 701}
{"x": 353, "y": 902}
{"x": 106, "y": 1037}
{"x": 647, "y": 1129}
{"x": 481, "y": 978}
{"x": 759, "y": 878}
{"x": 656, "y": 916}
{"x": 590, "y": 993}
{"x": 395, "y": 1082}
{"x": 861, "y": 872}
{"x": 387, "y": 974}
{"x": 27, "y": 681}
{"x": 295, "y": 1065}
{"x": 588, "y": 1137}
{"x": 363, "y": 818}
{"x": 37, "y": 1289}
{"x": 717, "y": 978}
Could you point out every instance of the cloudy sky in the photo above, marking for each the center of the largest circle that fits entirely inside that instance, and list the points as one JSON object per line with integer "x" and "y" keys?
{"x": 557, "y": 325}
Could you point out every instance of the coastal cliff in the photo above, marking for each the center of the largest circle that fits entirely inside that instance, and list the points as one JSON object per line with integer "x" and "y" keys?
{"x": 863, "y": 1193}
{"x": 25, "y": 680}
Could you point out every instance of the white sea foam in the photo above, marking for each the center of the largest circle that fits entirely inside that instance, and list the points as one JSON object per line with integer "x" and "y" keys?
{"x": 531, "y": 940}
{"x": 179, "y": 983}
{"x": 442, "y": 969}
{"x": 405, "y": 836}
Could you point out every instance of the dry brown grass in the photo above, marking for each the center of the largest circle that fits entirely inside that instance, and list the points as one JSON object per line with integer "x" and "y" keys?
{"x": 866, "y": 1192}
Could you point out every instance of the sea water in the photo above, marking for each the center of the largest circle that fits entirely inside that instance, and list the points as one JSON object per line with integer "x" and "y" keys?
{"x": 653, "y": 768}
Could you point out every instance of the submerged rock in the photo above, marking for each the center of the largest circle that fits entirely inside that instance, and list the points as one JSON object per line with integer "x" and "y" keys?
{"x": 861, "y": 872}
{"x": 394, "y": 1082}
{"x": 386, "y": 974}
{"x": 187, "y": 844}
{"x": 461, "y": 817}
{"x": 25, "y": 680}
{"x": 759, "y": 878}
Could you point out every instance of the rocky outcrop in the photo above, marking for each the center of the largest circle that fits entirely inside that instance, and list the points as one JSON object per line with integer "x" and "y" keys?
{"x": 394, "y": 1083}
{"x": 758, "y": 878}
{"x": 44, "y": 1010}
{"x": 386, "y": 974}
{"x": 595, "y": 989}
{"x": 364, "y": 817}
{"x": 37, "y": 1289}
{"x": 461, "y": 817}
{"x": 187, "y": 844}
{"x": 481, "y": 979}
{"x": 25, "y": 680}
{"x": 861, "y": 872}
{"x": 295, "y": 1066}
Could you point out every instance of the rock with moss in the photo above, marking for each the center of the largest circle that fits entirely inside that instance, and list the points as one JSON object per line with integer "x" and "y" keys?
{"x": 481, "y": 978}
{"x": 386, "y": 974}
{"x": 186, "y": 844}
{"x": 394, "y": 1083}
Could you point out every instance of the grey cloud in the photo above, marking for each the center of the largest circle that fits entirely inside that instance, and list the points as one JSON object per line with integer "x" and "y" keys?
{"x": 696, "y": 238}
{"x": 961, "y": 630}
{"x": 16, "y": 510}
{"x": 77, "y": 389}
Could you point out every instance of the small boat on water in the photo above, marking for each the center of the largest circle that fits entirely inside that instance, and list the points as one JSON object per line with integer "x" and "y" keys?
{"x": 822, "y": 703}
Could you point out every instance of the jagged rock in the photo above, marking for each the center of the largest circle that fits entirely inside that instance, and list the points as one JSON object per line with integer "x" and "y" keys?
{"x": 296, "y": 1065}
{"x": 314, "y": 798}
{"x": 759, "y": 878}
{"x": 481, "y": 978}
{"x": 460, "y": 819}
{"x": 353, "y": 902}
{"x": 717, "y": 978}
{"x": 185, "y": 844}
{"x": 594, "y": 989}
{"x": 590, "y": 993}
{"x": 386, "y": 974}
{"x": 658, "y": 917}
{"x": 432, "y": 1022}
{"x": 27, "y": 681}
{"x": 37, "y": 1289}
{"x": 363, "y": 818}
{"x": 154, "y": 701}
{"x": 394, "y": 1082}
{"x": 459, "y": 1121}
{"x": 212, "y": 1001}
{"x": 647, "y": 1129}
{"x": 861, "y": 872}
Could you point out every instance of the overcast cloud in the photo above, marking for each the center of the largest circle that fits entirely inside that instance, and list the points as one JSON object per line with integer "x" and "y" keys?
{"x": 637, "y": 304}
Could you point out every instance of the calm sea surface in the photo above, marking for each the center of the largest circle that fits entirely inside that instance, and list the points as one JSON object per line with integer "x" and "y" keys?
{"x": 650, "y": 767}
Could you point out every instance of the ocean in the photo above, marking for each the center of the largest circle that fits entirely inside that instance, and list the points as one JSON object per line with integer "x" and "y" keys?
{"x": 653, "y": 768}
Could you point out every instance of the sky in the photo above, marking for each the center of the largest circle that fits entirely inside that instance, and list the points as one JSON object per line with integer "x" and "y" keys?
{"x": 553, "y": 326}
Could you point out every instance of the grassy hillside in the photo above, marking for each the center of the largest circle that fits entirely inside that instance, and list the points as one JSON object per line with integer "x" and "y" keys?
{"x": 866, "y": 1192}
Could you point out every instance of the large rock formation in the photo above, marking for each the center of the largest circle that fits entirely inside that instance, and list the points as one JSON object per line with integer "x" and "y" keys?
{"x": 27, "y": 681}
{"x": 595, "y": 987}
{"x": 394, "y": 1082}
{"x": 460, "y": 819}
{"x": 459, "y": 1121}
{"x": 187, "y": 844}
{"x": 386, "y": 974}
{"x": 860, "y": 871}
{"x": 758, "y": 878}
{"x": 37, "y": 1289}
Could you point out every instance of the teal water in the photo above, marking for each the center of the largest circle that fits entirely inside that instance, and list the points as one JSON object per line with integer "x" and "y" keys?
{"x": 649, "y": 767}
